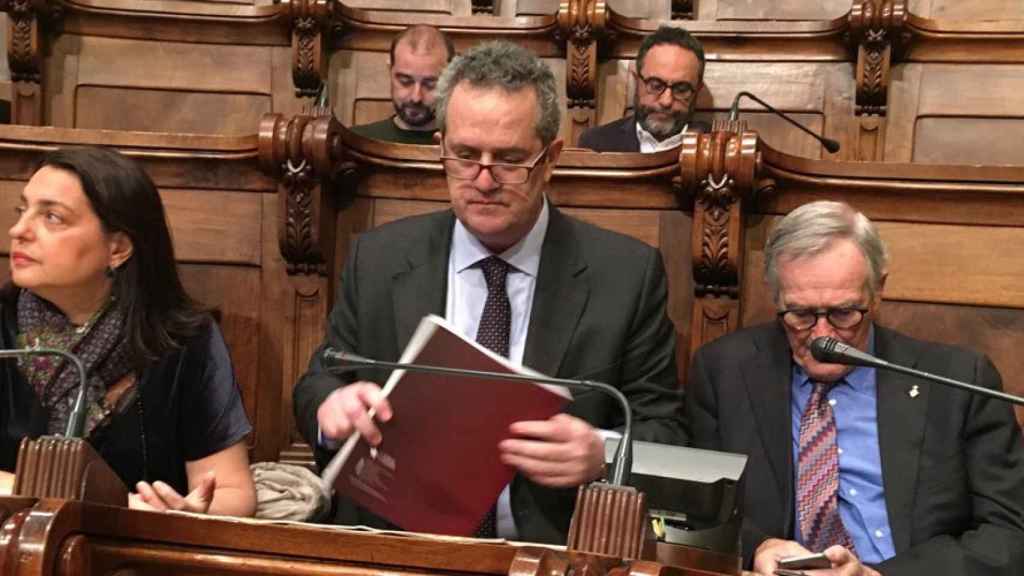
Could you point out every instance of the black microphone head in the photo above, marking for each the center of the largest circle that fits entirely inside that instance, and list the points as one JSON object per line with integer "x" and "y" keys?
{"x": 831, "y": 145}
{"x": 823, "y": 349}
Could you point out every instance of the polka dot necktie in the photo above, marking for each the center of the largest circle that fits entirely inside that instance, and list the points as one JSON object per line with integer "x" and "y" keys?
{"x": 493, "y": 334}
{"x": 818, "y": 475}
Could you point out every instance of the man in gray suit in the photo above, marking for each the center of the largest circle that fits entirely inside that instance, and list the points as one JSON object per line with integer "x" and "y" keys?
{"x": 669, "y": 74}
{"x": 883, "y": 472}
{"x": 579, "y": 301}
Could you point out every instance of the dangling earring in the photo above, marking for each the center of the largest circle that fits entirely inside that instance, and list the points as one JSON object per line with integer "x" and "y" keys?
{"x": 109, "y": 272}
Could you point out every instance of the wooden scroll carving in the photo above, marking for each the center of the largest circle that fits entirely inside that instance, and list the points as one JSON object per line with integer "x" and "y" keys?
{"x": 25, "y": 18}
{"x": 879, "y": 34}
{"x": 718, "y": 171}
{"x": 581, "y": 23}
{"x": 611, "y": 520}
{"x": 301, "y": 153}
{"x": 311, "y": 19}
{"x": 682, "y": 9}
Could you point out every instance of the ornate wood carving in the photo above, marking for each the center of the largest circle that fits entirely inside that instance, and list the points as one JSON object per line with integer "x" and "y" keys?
{"x": 718, "y": 171}
{"x": 878, "y": 32}
{"x": 301, "y": 153}
{"x": 484, "y": 7}
{"x": 311, "y": 19}
{"x": 25, "y": 19}
{"x": 682, "y": 9}
{"x": 581, "y": 23}
{"x": 69, "y": 468}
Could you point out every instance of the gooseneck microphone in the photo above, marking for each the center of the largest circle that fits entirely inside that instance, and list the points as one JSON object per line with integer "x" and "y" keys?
{"x": 348, "y": 362}
{"x": 831, "y": 351}
{"x": 76, "y": 422}
{"x": 734, "y": 112}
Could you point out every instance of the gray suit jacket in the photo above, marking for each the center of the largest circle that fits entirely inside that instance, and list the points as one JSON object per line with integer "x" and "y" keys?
{"x": 620, "y": 135}
{"x": 598, "y": 313}
{"x": 952, "y": 462}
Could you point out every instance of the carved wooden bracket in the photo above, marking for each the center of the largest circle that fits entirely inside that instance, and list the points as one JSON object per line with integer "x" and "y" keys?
{"x": 25, "y": 19}
{"x": 879, "y": 33}
{"x": 311, "y": 21}
{"x": 581, "y": 23}
{"x": 718, "y": 171}
{"x": 303, "y": 153}
{"x": 683, "y": 9}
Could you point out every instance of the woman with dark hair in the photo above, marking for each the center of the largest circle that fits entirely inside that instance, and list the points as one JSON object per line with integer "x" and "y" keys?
{"x": 93, "y": 273}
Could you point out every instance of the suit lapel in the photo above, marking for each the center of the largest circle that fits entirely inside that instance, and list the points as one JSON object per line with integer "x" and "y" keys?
{"x": 629, "y": 129}
{"x": 420, "y": 288}
{"x": 901, "y": 421}
{"x": 559, "y": 297}
{"x": 768, "y": 380}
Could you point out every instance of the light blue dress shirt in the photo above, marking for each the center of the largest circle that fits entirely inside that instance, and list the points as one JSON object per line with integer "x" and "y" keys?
{"x": 861, "y": 493}
{"x": 467, "y": 293}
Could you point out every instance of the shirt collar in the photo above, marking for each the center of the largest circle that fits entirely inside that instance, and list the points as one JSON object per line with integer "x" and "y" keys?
{"x": 650, "y": 144}
{"x": 524, "y": 255}
{"x": 860, "y": 378}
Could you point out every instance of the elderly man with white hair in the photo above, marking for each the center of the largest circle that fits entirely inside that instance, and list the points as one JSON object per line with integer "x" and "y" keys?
{"x": 882, "y": 472}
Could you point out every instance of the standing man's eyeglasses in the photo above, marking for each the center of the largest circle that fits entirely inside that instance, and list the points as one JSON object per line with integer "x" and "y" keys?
{"x": 468, "y": 169}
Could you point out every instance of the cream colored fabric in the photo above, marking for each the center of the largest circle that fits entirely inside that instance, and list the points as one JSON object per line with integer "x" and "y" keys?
{"x": 288, "y": 492}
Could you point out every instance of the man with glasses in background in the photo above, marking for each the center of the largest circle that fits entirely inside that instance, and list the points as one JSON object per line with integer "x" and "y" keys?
{"x": 882, "y": 472}
{"x": 510, "y": 270}
{"x": 669, "y": 75}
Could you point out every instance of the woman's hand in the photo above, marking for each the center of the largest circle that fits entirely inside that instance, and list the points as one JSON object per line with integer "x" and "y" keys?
{"x": 160, "y": 497}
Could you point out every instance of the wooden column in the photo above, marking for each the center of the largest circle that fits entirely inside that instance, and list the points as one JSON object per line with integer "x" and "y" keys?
{"x": 718, "y": 172}
{"x": 878, "y": 35}
{"x": 302, "y": 153}
{"x": 25, "y": 22}
{"x": 580, "y": 24}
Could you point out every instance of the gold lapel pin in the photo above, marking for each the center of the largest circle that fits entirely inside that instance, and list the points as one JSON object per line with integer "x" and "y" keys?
{"x": 914, "y": 391}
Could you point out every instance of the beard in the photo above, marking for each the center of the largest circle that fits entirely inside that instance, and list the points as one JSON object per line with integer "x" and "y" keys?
{"x": 665, "y": 124}
{"x": 415, "y": 114}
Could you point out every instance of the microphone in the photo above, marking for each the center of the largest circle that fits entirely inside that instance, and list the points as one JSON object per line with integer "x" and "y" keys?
{"x": 621, "y": 465}
{"x": 734, "y": 112}
{"x": 76, "y": 422}
{"x": 829, "y": 350}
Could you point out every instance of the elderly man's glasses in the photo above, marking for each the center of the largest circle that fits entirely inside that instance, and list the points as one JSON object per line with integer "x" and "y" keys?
{"x": 467, "y": 169}
{"x": 842, "y": 318}
{"x": 681, "y": 91}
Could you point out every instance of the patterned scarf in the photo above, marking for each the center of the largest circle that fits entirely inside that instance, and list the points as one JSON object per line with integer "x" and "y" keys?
{"x": 100, "y": 343}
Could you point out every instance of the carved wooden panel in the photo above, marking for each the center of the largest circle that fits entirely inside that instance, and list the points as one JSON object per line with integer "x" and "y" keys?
{"x": 172, "y": 86}
{"x": 956, "y": 114}
{"x": 779, "y": 9}
{"x": 973, "y": 10}
{"x": 527, "y": 7}
{"x": 451, "y": 7}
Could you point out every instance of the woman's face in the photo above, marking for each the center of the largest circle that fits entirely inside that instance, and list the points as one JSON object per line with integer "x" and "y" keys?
{"x": 59, "y": 249}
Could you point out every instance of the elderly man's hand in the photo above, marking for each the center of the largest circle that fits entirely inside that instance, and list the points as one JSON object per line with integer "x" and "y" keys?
{"x": 844, "y": 562}
{"x": 562, "y": 451}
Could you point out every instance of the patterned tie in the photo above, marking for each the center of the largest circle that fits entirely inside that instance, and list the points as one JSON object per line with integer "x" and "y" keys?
{"x": 818, "y": 475}
{"x": 493, "y": 334}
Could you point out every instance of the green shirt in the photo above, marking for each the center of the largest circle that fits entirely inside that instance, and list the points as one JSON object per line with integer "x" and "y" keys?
{"x": 388, "y": 131}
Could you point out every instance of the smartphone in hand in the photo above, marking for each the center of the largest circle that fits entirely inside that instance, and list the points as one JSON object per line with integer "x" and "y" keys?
{"x": 806, "y": 562}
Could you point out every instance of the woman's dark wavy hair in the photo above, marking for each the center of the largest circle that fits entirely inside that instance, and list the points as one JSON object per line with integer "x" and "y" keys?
{"x": 159, "y": 314}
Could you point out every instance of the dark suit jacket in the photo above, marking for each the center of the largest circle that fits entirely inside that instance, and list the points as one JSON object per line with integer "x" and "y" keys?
{"x": 598, "y": 312}
{"x": 952, "y": 462}
{"x": 620, "y": 135}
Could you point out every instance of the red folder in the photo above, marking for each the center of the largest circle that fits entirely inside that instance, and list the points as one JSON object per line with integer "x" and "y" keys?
{"x": 437, "y": 469}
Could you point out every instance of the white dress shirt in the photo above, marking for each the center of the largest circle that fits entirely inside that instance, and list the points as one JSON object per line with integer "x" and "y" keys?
{"x": 650, "y": 144}
{"x": 467, "y": 293}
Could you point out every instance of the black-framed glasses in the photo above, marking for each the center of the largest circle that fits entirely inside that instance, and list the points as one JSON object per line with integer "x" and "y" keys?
{"x": 682, "y": 91}
{"x": 467, "y": 169}
{"x": 843, "y": 318}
